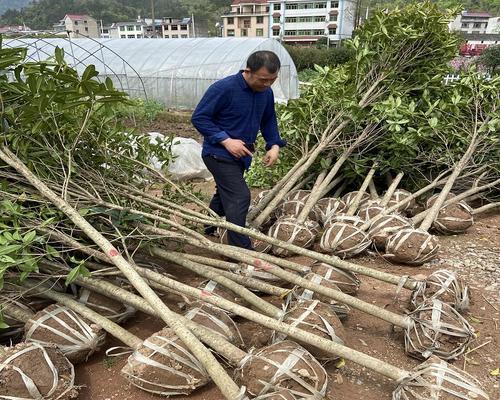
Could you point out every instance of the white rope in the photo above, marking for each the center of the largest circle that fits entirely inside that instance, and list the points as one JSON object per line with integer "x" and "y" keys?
{"x": 113, "y": 314}
{"x": 335, "y": 240}
{"x": 290, "y": 228}
{"x": 427, "y": 244}
{"x": 329, "y": 206}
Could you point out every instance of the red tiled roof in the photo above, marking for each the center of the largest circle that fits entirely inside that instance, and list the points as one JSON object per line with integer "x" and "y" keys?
{"x": 476, "y": 14}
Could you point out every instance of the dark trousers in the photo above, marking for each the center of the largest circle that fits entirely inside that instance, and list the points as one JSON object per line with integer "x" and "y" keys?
{"x": 232, "y": 196}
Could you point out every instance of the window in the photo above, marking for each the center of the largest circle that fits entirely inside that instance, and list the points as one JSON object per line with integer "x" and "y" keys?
{"x": 184, "y": 27}
{"x": 122, "y": 28}
{"x": 477, "y": 25}
{"x": 321, "y": 5}
{"x": 335, "y": 4}
{"x": 292, "y": 6}
{"x": 139, "y": 36}
{"x": 259, "y": 32}
{"x": 303, "y": 32}
{"x": 77, "y": 31}
{"x": 290, "y": 33}
{"x": 84, "y": 22}
{"x": 319, "y": 19}
{"x": 130, "y": 36}
{"x": 465, "y": 25}
{"x": 267, "y": 9}
{"x": 76, "y": 22}
{"x": 276, "y": 32}
{"x": 277, "y": 7}
{"x": 291, "y": 19}
{"x": 260, "y": 20}
{"x": 174, "y": 27}
{"x": 138, "y": 28}
{"x": 130, "y": 28}
{"x": 166, "y": 36}
{"x": 230, "y": 32}
{"x": 244, "y": 32}
{"x": 332, "y": 31}
{"x": 230, "y": 21}
{"x": 184, "y": 36}
{"x": 333, "y": 17}
{"x": 175, "y": 36}
{"x": 123, "y": 36}
{"x": 247, "y": 23}
{"x": 276, "y": 20}
{"x": 317, "y": 32}
{"x": 86, "y": 29}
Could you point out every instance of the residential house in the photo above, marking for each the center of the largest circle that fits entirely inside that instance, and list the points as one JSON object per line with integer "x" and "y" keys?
{"x": 247, "y": 18}
{"x": 305, "y": 21}
{"x": 177, "y": 28}
{"x": 14, "y": 30}
{"x": 127, "y": 30}
{"x": 78, "y": 26}
{"x": 475, "y": 43}
{"x": 471, "y": 22}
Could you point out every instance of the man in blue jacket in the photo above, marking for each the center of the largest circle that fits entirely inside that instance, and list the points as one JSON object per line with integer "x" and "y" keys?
{"x": 229, "y": 116}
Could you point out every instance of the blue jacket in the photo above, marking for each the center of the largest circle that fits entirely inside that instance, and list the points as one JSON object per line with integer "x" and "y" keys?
{"x": 230, "y": 109}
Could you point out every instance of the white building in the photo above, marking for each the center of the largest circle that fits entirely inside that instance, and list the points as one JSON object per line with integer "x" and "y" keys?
{"x": 127, "y": 30}
{"x": 78, "y": 26}
{"x": 493, "y": 25}
{"x": 306, "y": 21}
{"x": 471, "y": 22}
{"x": 177, "y": 28}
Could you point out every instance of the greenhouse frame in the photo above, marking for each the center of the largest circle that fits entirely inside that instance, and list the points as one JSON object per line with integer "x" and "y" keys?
{"x": 175, "y": 72}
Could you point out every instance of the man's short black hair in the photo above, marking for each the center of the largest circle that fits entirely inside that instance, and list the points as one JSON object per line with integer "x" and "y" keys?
{"x": 263, "y": 58}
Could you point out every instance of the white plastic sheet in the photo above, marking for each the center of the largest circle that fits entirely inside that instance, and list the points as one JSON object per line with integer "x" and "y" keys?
{"x": 187, "y": 163}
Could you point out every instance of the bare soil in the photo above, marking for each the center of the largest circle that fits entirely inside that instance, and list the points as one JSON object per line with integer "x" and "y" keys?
{"x": 475, "y": 255}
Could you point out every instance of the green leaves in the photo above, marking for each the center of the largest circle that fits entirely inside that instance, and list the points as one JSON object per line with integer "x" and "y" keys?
{"x": 79, "y": 270}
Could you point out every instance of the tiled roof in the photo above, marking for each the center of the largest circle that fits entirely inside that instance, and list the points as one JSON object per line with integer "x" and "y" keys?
{"x": 77, "y": 16}
{"x": 476, "y": 14}
{"x": 235, "y": 2}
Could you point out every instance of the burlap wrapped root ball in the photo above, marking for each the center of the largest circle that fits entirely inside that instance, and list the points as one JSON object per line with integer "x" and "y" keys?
{"x": 258, "y": 245}
{"x": 260, "y": 271}
{"x": 77, "y": 337}
{"x": 384, "y": 227}
{"x": 292, "y": 208}
{"x": 453, "y": 219}
{"x": 317, "y": 318}
{"x": 256, "y": 201}
{"x": 435, "y": 379}
{"x": 443, "y": 285}
{"x": 411, "y": 246}
{"x": 343, "y": 218}
{"x": 348, "y": 282}
{"x": 283, "y": 365}
{"x": 398, "y": 196}
{"x": 280, "y": 394}
{"x": 370, "y": 210}
{"x": 164, "y": 366}
{"x": 217, "y": 320}
{"x": 431, "y": 200}
{"x": 106, "y": 306}
{"x": 438, "y": 329}
{"x": 302, "y": 294}
{"x": 344, "y": 240}
{"x": 33, "y": 371}
{"x": 328, "y": 206}
{"x": 212, "y": 288}
{"x": 348, "y": 198}
{"x": 290, "y": 231}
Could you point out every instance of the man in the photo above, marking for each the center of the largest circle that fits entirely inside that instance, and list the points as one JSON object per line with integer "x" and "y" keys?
{"x": 229, "y": 116}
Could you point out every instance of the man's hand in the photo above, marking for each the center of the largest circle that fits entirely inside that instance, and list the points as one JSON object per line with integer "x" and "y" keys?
{"x": 271, "y": 156}
{"x": 236, "y": 147}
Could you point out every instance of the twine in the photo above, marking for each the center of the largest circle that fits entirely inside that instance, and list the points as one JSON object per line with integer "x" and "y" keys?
{"x": 428, "y": 336}
{"x": 296, "y": 230}
{"x": 286, "y": 368}
{"x": 447, "y": 224}
{"x": 164, "y": 388}
{"x": 350, "y": 278}
{"x": 83, "y": 339}
{"x": 337, "y": 242}
{"x": 29, "y": 383}
{"x": 329, "y": 206}
{"x": 113, "y": 315}
{"x": 435, "y": 380}
{"x": 427, "y": 250}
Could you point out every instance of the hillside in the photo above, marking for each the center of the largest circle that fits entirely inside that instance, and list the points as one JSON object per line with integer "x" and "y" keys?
{"x": 12, "y": 4}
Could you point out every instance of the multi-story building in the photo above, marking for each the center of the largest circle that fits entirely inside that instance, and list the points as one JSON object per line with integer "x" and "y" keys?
{"x": 306, "y": 21}
{"x": 127, "y": 30}
{"x": 471, "y": 22}
{"x": 177, "y": 28}
{"x": 248, "y": 18}
{"x": 493, "y": 25}
{"x": 78, "y": 26}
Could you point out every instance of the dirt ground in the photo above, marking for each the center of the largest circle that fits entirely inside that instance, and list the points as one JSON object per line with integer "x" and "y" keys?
{"x": 475, "y": 255}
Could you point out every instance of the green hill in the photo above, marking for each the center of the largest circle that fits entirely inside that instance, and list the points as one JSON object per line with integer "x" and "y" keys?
{"x": 12, "y": 4}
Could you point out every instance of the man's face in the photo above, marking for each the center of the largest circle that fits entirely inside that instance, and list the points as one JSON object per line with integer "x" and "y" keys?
{"x": 261, "y": 79}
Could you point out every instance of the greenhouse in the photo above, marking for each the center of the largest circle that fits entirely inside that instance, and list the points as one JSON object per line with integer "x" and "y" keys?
{"x": 176, "y": 72}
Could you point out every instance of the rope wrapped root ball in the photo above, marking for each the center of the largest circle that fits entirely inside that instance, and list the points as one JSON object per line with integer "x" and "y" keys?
{"x": 290, "y": 231}
{"x": 74, "y": 335}
{"x": 164, "y": 366}
{"x": 258, "y": 271}
{"x": 217, "y": 320}
{"x": 453, "y": 219}
{"x": 344, "y": 218}
{"x": 107, "y": 307}
{"x": 32, "y": 371}
{"x": 292, "y": 208}
{"x": 349, "y": 198}
{"x": 411, "y": 246}
{"x": 437, "y": 329}
{"x": 283, "y": 365}
{"x": 431, "y": 200}
{"x": 369, "y": 210}
{"x": 348, "y": 282}
{"x": 445, "y": 286}
{"x": 301, "y": 294}
{"x": 328, "y": 206}
{"x": 318, "y": 319}
{"x": 212, "y": 288}
{"x": 299, "y": 194}
{"x": 435, "y": 379}
{"x": 398, "y": 196}
{"x": 384, "y": 227}
{"x": 344, "y": 240}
